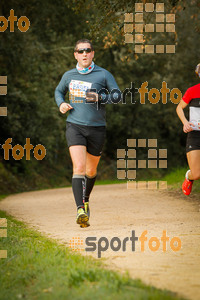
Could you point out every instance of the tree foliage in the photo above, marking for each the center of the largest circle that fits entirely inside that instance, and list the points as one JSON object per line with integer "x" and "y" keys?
{"x": 35, "y": 61}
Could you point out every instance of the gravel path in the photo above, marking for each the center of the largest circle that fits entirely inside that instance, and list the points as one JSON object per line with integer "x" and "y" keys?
{"x": 118, "y": 212}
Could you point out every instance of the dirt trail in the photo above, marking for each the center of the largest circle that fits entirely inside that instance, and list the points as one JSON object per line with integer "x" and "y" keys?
{"x": 116, "y": 212}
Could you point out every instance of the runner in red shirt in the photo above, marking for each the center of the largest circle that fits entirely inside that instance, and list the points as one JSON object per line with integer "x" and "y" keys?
{"x": 192, "y": 128}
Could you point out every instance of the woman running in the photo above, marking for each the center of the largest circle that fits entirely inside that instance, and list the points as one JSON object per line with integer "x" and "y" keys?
{"x": 192, "y": 128}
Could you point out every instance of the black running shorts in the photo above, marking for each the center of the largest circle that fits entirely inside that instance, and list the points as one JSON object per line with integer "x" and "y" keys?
{"x": 90, "y": 136}
{"x": 193, "y": 141}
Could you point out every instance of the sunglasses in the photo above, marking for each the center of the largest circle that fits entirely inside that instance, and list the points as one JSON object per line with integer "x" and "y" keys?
{"x": 87, "y": 50}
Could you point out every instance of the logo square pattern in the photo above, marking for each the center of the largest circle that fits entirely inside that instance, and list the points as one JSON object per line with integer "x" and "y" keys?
{"x": 3, "y": 233}
{"x": 127, "y": 162}
{"x": 135, "y": 31}
{"x": 76, "y": 244}
{"x": 3, "y": 92}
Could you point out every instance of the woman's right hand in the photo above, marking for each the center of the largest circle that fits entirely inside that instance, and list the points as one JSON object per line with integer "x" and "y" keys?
{"x": 187, "y": 127}
{"x": 64, "y": 107}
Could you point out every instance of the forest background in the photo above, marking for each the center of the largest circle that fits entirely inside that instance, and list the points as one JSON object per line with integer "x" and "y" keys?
{"x": 34, "y": 62}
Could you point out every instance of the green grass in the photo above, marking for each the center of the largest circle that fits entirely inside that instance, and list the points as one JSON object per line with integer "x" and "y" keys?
{"x": 3, "y": 196}
{"x": 109, "y": 181}
{"x": 176, "y": 177}
{"x": 38, "y": 267}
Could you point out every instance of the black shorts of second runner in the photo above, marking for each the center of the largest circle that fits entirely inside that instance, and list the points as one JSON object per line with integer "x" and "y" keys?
{"x": 193, "y": 141}
{"x": 90, "y": 136}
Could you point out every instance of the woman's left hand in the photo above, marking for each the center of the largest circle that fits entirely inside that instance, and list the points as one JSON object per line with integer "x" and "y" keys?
{"x": 187, "y": 127}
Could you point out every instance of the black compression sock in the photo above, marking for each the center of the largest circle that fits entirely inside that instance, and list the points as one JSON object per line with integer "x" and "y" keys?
{"x": 89, "y": 186}
{"x": 78, "y": 187}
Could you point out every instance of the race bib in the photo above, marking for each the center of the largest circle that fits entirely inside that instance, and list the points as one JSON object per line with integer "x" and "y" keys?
{"x": 196, "y": 125}
{"x": 78, "y": 88}
{"x": 195, "y": 117}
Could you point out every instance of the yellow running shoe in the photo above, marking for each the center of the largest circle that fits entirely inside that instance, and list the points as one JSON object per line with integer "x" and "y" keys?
{"x": 82, "y": 217}
{"x": 87, "y": 209}
{"x": 83, "y": 225}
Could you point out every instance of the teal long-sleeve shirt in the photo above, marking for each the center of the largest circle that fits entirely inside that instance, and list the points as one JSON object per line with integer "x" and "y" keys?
{"x": 90, "y": 114}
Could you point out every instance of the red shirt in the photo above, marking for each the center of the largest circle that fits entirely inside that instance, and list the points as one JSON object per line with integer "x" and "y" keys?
{"x": 192, "y": 93}
{"x": 192, "y": 97}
